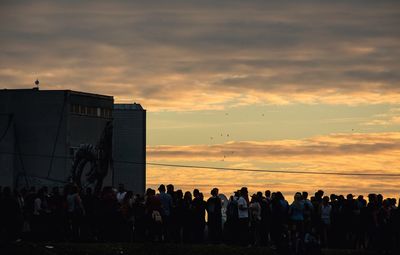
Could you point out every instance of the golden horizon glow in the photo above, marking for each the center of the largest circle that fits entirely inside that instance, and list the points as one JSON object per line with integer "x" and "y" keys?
{"x": 311, "y": 86}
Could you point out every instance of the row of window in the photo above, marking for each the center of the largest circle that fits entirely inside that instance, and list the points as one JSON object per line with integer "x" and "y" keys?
{"x": 91, "y": 111}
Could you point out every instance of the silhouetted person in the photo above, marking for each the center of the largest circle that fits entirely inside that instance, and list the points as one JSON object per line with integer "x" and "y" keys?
{"x": 325, "y": 212}
{"x": 199, "y": 210}
{"x": 188, "y": 218}
{"x": 296, "y": 216}
{"x": 279, "y": 213}
{"x": 265, "y": 217}
{"x": 127, "y": 220}
{"x": 121, "y": 193}
{"x": 153, "y": 211}
{"x": 243, "y": 214}
{"x": 11, "y": 215}
{"x": 139, "y": 212}
{"x": 232, "y": 214}
{"x": 214, "y": 217}
{"x": 166, "y": 208}
{"x": 57, "y": 215}
{"x": 75, "y": 212}
{"x": 255, "y": 218}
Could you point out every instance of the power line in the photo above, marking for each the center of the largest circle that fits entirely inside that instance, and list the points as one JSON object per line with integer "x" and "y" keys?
{"x": 225, "y": 168}
{"x": 274, "y": 171}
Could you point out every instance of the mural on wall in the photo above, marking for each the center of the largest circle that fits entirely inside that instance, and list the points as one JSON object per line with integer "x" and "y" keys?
{"x": 91, "y": 162}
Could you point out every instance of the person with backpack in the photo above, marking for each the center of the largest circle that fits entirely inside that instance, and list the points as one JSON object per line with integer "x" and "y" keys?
{"x": 154, "y": 218}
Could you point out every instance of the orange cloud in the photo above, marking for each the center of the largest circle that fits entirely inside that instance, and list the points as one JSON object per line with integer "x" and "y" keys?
{"x": 356, "y": 153}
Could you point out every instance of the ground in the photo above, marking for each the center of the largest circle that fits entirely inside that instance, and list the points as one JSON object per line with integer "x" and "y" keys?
{"x": 24, "y": 248}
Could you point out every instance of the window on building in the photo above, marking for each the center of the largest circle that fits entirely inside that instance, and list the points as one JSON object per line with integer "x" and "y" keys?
{"x": 91, "y": 111}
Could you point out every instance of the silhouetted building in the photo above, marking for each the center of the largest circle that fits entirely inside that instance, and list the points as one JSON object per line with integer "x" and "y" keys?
{"x": 129, "y": 146}
{"x": 41, "y": 130}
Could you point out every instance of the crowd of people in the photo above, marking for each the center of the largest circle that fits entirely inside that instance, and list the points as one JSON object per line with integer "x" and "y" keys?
{"x": 169, "y": 215}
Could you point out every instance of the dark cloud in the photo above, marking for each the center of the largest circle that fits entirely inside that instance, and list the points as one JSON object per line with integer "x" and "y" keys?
{"x": 174, "y": 50}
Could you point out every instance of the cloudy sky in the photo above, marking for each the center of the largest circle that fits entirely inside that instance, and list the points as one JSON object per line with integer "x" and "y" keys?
{"x": 283, "y": 85}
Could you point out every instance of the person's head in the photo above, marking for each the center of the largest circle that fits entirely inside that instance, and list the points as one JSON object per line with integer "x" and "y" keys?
{"x": 121, "y": 187}
{"x": 325, "y": 200}
{"x": 379, "y": 198}
{"x": 188, "y": 196}
{"x": 305, "y": 195}
{"x": 349, "y": 197}
{"x": 201, "y": 196}
{"x": 55, "y": 191}
{"x": 244, "y": 192}
{"x": 128, "y": 196}
{"x": 170, "y": 189}
{"x": 253, "y": 198}
{"x": 214, "y": 192}
{"x": 268, "y": 193}
{"x": 149, "y": 192}
{"x": 45, "y": 190}
{"x": 280, "y": 196}
{"x": 297, "y": 196}
{"x": 161, "y": 188}
{"x": 179, "y": 194}
{"x": 196, "y": 193}
{"x": 372, "y": 198}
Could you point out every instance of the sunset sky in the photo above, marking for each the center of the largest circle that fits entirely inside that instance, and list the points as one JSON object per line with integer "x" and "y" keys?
{"x": 280, "y": 85}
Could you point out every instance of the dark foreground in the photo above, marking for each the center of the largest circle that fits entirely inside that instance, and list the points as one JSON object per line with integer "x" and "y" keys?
{"x": 24, "y": 248}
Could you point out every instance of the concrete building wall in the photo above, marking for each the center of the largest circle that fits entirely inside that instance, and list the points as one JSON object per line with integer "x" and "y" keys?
{"x": 50, "y": 125}
{"x": 39, "y": 117}
{"x": 129, "y": 146}
{"x": 6, "y": 150}
{"x": 46, "y": 129}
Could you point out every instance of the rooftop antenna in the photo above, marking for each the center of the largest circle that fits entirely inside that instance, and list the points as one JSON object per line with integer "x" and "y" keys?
{"x": 37, "y": 83}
